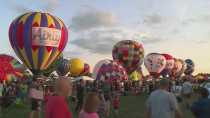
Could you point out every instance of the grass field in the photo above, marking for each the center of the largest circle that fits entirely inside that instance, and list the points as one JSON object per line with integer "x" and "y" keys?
{"x": 131, "y": 107}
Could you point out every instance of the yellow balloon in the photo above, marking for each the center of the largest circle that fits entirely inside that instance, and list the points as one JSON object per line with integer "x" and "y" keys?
{"x": 76, "y": 66}
{"x": 135, "y": 76}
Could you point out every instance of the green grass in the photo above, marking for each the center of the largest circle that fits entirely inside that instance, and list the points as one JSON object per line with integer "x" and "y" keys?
{"x": 131, "y": 107}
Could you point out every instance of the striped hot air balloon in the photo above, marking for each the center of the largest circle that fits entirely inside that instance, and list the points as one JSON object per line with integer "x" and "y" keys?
{"x": 38, "y": 39}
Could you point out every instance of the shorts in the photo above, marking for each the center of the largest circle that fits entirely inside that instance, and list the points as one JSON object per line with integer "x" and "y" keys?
{"x": 34, "y": 105}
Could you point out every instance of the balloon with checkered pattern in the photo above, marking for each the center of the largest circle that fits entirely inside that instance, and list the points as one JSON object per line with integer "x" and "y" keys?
{"x": 129, "y": 53}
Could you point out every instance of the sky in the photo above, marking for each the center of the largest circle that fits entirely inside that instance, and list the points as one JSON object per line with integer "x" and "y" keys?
{"x": 177, "y": 27}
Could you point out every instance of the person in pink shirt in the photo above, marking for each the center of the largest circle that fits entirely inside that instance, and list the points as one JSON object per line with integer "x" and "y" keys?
{"x": 90, "y": 107}
{"x": 57, "y": 106}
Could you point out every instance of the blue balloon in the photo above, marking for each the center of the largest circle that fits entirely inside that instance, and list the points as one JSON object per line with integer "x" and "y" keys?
{"x": 190, "y": 67}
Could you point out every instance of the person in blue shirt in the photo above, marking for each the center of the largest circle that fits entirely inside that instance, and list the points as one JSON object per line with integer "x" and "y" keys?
{"x": 201, "y": 108}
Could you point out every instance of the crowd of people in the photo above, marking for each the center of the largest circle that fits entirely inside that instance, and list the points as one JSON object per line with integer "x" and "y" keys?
{"x": 97, "y": 99}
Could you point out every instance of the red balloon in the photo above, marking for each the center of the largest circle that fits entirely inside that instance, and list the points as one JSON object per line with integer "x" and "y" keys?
{"x": 169, "y": 65}
{"x": 10, "y": 68}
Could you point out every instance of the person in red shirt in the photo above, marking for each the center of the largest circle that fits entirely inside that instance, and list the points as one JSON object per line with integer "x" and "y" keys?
{"x": 56, "y": 106}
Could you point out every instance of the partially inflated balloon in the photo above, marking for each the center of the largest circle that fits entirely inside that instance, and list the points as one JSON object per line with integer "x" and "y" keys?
{"x": 38, "y": 39}
{"x": 155, "y": 63}
{"x": 169, "y": 65}
{"x": 10, "y": 68}
{"x": 190, "y": 67}
{"x": 109, "y": 70}
{"x": 135, "y": 76}
{"x": 179, "y": 67}
{"x": 86, "y": 69}
{"x": 76, "y": 67}
{"x": 98, "y": 66}
{"x": 52, "y": 66}
{"x": 129, "y": 53}
{"x": 62, "y": 67}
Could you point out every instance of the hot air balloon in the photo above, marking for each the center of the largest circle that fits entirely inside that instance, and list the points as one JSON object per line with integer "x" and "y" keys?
{"x": 76, "y": 67}
{"x": 179, "y": 67}
{"x": 155, "y": 63}
{"x": 190, "y": 67}
{"x": 62, "y": 67}
{"x": 52, "y": 66}
{"x": 169, "y": 65}
{"x": 86, "y": 69}
{"x": 10, "y": 68}
{"x": 129, "y": 53}
{"x": 38, "y": 39}
{"x": 135, "y": 76}
{"x": 109, "y": 70}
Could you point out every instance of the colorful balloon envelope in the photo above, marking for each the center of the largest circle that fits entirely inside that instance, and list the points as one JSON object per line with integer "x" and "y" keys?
{"x": 38, "y": 39}
{"x": 190, "y": 67}
{"x": 86, "y": 69}
{"x": 52, "y": 66}
{"x": 62, "y": 67}
{"x": 10, "y": 68}
{"x": 169, "y": 65}
{"x": 76, "y": 67}
{"x": 135, "y": 76}
{"x": 129, "y": 53}
{"x": 109, "y": 70}
{"x": 155, "y": 63}
{"x": 179, "y": 67}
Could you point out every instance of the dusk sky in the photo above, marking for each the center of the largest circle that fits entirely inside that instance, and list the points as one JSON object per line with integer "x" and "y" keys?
{"x": 178, "y": 27}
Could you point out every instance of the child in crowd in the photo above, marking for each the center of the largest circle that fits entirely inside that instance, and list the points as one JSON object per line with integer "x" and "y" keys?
{"x": 90, "y": 107}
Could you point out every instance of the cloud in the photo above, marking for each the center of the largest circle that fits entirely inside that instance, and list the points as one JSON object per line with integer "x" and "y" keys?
{"x": 98, "y": 31}
{"x": 152, "y": 40}
{"x": 197, "y": 19}
{"x": 102, "y": 40}
{"x": 17, "y": 7}
{"x": 92, "y": 19}
{"x": 153, "y": 19}
{"x": 51, "y": 5}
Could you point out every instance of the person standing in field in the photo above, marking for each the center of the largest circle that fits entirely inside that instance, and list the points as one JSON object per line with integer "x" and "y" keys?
{"x": 116, "y": 104}
{"x": 80, "y": 95}
{"x": 201, "y": 108}
{"x": 186, "y": 93}
{"x": 102, "y": 106}
{"x": 91, "y": 104}
{"x": 162, "y": 104}
{"x": 57, "y": 106}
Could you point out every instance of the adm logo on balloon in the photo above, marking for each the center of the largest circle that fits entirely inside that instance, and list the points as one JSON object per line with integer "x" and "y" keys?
{"x": 43, "y": 36}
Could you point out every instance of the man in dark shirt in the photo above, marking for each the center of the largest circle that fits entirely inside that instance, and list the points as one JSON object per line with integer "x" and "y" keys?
{"x": 201, "y": 108}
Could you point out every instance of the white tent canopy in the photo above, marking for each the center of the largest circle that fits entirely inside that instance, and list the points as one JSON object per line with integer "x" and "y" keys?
{"x": 83, "y": 77}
